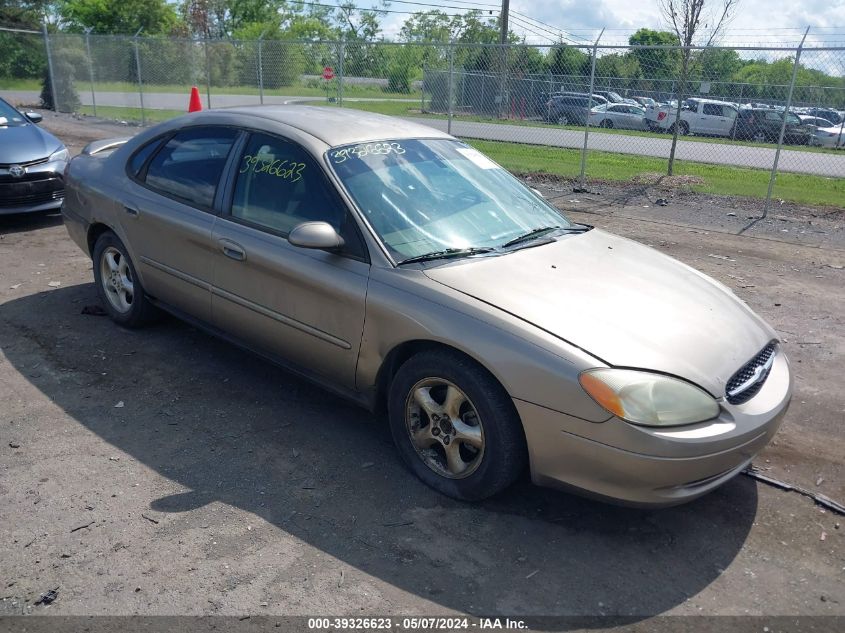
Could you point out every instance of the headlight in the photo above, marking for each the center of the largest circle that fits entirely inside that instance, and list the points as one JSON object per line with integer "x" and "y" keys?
{"x": 58, "y": 155}
{"x": 648, "y": 399}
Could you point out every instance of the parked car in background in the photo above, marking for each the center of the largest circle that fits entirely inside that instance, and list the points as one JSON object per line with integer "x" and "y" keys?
{"x": 612, "y": 97}
{"x": 815, "y": 121}
{"x": 763, "y": 125}
{"x": 832, "y": 136}
{"x": 619, "y": 115}
{"x": 698, "y": 116}
{"x": 568, "y": 109}
{"x": 544, "y": 106}
{"x": 32, "y": 164}
{"x": 645, "y": 101}
{"x": 403, "y": 269}
{"x": 825, "y": 113}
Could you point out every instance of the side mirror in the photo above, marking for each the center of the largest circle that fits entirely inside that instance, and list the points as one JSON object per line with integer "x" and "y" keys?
{"x": 35, "y": 117}
{"x": 319, "y": 235}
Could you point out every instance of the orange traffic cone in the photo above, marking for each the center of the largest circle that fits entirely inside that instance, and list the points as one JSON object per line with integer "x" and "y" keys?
{"x": 195, "y": 104}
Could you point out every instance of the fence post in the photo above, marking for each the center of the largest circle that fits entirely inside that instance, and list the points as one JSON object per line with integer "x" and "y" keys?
{"x": 341, "y": 55}
{"x": 451, "y": 95}
{"x": 783, "y": 123}
{"x": 589, "y": 108}
{"x": 50, "y": 66}
{"x": 138, "y": 72}
{"x": 207, "y": 76}
{"x": 260, "y": 70}
{"x": 422, "y": 89}
{"x": 736, "y": 119}
{"x": 90, "y": 66}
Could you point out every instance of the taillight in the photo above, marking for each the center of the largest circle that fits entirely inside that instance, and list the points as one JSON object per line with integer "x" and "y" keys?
{"x": 661, "y": 116}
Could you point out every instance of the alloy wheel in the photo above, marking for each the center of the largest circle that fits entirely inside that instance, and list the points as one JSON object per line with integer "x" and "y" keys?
{"x": 116, "y": 278}
{"x": 444, "y": 427}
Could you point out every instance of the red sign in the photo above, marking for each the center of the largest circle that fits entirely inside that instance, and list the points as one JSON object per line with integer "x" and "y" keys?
{"x": 328, "y": 73}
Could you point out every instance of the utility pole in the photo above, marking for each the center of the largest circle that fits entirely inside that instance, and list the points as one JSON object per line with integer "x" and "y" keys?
{"x": 503, "y": 19}
{"x": 503, "y": 42}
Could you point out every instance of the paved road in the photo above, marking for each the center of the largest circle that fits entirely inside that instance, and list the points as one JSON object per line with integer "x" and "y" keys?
{"x": 820, "y": 164}
{"x": 791, "y": 160}
{"x": 173, "y": 101}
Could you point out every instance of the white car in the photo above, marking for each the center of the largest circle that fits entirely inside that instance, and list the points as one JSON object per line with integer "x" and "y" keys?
{"x": 832, "y": 136}
{"x": 619, "y": 115}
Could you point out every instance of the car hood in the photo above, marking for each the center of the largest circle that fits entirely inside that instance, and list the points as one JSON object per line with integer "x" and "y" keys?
{"x": 25, "y": 143}
{"x": 625, "y": 303}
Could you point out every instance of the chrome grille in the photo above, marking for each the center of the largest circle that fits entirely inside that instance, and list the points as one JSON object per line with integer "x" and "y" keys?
{"x": 26, "y": 163}
{"x": 747, "y": 382}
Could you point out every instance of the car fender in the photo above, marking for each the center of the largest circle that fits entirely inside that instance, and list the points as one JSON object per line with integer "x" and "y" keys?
{"x": 406, "y": 306}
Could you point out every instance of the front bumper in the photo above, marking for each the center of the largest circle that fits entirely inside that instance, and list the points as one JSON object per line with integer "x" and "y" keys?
{"x": 621, "y": 462}
{"x": 40, "y": 189}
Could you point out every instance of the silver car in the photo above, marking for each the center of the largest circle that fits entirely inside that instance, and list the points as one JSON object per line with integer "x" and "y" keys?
{"x": 403, "y": 269}
{"x": 32, "y": 162}
{"x": 619, "y": 115}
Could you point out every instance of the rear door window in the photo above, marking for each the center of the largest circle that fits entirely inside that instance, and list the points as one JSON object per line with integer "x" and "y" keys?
{"x": 713, "y": 109}
{"x": 189, "y": 165}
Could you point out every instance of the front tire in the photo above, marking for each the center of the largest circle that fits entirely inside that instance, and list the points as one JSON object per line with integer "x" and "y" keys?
{"x": 454, "y": 426}
{"x": 118, "y": 285}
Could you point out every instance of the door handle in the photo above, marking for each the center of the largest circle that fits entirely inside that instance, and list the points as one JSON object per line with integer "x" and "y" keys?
{"x": 131, "y": 211}
{"x": 232, "y": 250}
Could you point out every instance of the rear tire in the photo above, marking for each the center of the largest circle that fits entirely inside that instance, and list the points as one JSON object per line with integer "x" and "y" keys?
{"x": 684, "y": 129}
{"x": 455, "y": 426}
{"x": 607, "y": 123}
{"x": 118, "y": 285}
{"x": 562, "y": 119}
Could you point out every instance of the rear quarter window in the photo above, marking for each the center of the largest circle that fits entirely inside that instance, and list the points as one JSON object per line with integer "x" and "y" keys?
{"x": 139, "y": 158}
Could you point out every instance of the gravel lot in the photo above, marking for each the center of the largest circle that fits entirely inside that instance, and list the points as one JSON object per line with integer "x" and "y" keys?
{"x": 165, "y": 472}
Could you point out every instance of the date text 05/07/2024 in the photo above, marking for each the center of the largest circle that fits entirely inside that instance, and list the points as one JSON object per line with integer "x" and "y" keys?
{"x": 414, "y": 623}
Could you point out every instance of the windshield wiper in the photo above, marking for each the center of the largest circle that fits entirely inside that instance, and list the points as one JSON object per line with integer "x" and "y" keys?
{"x": 535, "y": 233}
{"x": 446, "y": 253}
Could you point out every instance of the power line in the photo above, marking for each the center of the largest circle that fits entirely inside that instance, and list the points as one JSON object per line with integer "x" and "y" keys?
{"x": 436, "y": 5}
{"x": 530, "y": 28}
{"x": 557, "y": 33}
{"x": 334, "y": 6}
{"x": 540, "y": 24}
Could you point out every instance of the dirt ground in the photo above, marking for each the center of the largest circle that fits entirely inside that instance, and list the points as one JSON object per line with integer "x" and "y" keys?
{"x": 163, "y": 471}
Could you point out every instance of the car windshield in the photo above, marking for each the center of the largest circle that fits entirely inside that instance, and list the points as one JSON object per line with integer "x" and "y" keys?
{"x": 425, "y": 196}
{"x": 9, "y": 116}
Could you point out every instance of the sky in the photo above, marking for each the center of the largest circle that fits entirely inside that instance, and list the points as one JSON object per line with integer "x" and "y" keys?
{"x": 773, "y": 22}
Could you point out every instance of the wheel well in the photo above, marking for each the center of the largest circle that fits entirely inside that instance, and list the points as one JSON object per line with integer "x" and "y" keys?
{"x": 94, "y": 233}
{"x": 401, "y": 353}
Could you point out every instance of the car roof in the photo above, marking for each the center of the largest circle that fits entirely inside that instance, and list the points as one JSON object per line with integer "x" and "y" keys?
{"x": 716, "y": 101}
{"x": 336, "y": 126}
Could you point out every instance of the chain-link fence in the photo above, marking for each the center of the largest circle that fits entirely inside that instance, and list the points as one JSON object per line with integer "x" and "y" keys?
{"x": 581, "y": 112}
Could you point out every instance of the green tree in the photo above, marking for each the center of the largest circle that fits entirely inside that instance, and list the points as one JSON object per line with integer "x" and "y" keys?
{"x": 567, "y": 60}
{"x": 118, "y": 17}
{"x": 615, "y": 71}
{"x": 717, "y": 64}
{"x": 656, "y": 63}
